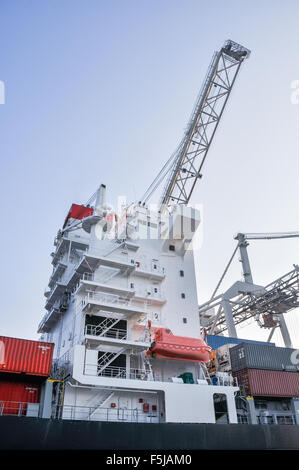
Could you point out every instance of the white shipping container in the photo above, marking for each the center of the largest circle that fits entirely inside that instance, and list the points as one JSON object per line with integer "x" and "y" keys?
{"x": 222, "y": 356}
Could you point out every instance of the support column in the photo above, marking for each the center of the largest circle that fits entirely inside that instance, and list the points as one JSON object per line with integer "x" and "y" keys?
{"x": 128, "y": 365}
{"x": 45, "y": 410}
{"x": 229, "y": 318}
{"x": 244, "y": 258}
{"x": 251, "y": 410}
{"x": 285, "y": 332}
{"x": 295, "y": 409}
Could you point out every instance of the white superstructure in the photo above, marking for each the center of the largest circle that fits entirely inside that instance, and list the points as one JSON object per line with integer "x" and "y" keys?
{"x": 110, "y": 277}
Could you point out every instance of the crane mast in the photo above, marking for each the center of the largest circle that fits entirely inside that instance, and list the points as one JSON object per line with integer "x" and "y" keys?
{"x": 188, "y": 160}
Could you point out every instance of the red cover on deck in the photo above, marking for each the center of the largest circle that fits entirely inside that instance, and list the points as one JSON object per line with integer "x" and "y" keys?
{"x": 78, "y": 212}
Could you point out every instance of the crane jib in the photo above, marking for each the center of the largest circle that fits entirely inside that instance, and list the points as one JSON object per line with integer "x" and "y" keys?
{"x": 185, "y": 165}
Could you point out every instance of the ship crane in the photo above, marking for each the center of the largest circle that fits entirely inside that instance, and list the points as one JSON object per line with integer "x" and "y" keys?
{"x": 184, "y": 168}
{"x": 245, "y": 300}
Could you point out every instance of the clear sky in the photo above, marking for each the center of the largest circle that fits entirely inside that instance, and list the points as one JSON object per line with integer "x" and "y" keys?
{"x": 100, "y": 92}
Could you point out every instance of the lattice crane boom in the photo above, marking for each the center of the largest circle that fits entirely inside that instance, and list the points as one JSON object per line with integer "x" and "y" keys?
{"x": 188, "y": 160}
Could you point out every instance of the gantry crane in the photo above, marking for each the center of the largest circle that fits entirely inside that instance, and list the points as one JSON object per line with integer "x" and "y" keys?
{"x": 245, "y": 300}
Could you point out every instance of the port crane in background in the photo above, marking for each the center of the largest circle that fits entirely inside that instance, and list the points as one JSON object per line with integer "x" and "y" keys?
{"x": 245, "y": 300}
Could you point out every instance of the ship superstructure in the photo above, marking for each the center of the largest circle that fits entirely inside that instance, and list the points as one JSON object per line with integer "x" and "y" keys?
{"x": 118, "y": 279}
{"x": 108, "y": 296}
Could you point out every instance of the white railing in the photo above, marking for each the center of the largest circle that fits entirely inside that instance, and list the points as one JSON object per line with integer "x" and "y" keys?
{"x": 121, "y": 373}
{"x": 287, "y": 419}
{"x": 141, "y": 374}
{"x": 104, "y": 414}
{"x": 100, "y": 278}
{"x": 109, "y": 299}
{"x": 227, "y": 381}
{"x": 16, "y": 408}
{"x": 115, "y": 333}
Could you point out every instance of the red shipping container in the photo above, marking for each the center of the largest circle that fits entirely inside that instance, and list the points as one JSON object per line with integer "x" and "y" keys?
{"x": 268, "y": 383}
{"x": 25, "y": 356}
{"x": 14, "y": 396}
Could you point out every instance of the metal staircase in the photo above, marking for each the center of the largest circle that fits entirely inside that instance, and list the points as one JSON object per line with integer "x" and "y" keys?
{"x": 105, "y": 278}
{"x": 102, "y": 401}
{"x": 103, "y": 327}
{"x": 105, "y": 360}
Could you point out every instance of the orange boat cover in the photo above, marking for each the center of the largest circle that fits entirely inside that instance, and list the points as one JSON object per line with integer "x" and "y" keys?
{"x": 168, "y": 346}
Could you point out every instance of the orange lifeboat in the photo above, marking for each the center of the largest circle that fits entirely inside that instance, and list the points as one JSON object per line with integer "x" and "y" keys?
{"x": 168, "y": 346}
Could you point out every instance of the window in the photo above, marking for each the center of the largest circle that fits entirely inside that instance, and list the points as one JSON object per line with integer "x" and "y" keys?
{"x": 155, "y": 290}
{"x": 183, "y": 295}
{"x": 132, "y": 285}
{"x": 184, "y": 320}
{"x": 182, "y": 273}
{"x": 171, "y": 248}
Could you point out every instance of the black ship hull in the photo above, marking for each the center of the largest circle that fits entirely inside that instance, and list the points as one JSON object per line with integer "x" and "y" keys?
{"x": 45, "y": 434}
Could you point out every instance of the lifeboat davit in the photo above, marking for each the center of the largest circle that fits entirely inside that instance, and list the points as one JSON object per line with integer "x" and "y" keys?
{"x": 168, "y": 346}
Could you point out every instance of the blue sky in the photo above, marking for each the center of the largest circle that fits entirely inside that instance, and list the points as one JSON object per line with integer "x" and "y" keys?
{"x": 101, "y": 91}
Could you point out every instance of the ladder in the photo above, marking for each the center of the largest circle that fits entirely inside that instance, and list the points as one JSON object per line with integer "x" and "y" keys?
{"x": 204, "y": 373}
{"x": 148, "y": 368}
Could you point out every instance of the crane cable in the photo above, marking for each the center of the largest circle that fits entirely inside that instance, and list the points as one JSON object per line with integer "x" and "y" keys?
{"x": 160, "y": 176}
{"x": 224, "y": 273}
{"x": 172, "y": 160}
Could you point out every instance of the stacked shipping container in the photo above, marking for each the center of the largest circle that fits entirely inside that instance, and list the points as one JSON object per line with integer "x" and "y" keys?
{"x": 220, "y": 357}
{"x": 268, "y": 383}
{"x": 264, "y": 371}
{"x": 25, "y": 356}
{"x": 24, "y": 367}
{"x": 15, "y": 396}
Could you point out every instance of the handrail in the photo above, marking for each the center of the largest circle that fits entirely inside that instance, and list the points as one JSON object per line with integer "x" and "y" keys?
{"x": 104, "y": 414}
{"x": 117, "y": 333}
{"x": 18, "y": 408}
